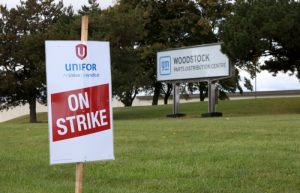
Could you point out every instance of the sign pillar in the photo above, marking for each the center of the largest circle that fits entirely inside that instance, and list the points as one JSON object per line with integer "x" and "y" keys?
{"x": 176, "y": 102}
{"x": 176, "y": 97}
{"x": 212, "y": 100}
{"x": 211, "y": 97}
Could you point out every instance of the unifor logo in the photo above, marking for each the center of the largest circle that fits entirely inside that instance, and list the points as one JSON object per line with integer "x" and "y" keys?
{"x": 81, "y": 51}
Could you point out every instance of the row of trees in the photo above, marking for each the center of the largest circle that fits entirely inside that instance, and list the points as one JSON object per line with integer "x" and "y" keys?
{"x": 137, "y": 30}
{"x": 264, "y": 28}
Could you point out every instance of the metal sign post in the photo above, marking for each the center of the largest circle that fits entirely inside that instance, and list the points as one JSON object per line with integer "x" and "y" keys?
{"x": 212, "y": 100}
{"x": 211, "y": 97}
{"x": 176, "y": 102}
{"x": 176, "y": 99}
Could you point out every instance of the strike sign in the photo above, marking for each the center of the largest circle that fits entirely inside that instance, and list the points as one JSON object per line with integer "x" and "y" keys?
{"x": 77, "y": 114}
{"x": 79, "y": 101}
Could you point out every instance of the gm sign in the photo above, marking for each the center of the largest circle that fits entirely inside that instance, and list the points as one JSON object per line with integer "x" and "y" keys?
{"x": 165, "y": 65}
{"x": 193, "y": 63}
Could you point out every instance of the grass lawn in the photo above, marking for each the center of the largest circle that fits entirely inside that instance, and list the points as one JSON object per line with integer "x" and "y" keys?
{"x": 254, "y": 148}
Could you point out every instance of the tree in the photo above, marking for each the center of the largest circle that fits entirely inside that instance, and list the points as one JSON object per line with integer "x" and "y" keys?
{"x": 166, "y": 90}
{"x": 202, "y": 87}
{"x": 170, "y": 24}
{"x": 122, "y": 26}
{"x": 94, "y": 7}
{"x": 22, "y": 36}
{"x": 213, "y": 13}
{"x": 263, "y": 28}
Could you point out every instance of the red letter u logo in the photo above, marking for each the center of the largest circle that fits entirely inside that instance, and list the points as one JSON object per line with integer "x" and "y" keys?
{"x": 81, "y": 51}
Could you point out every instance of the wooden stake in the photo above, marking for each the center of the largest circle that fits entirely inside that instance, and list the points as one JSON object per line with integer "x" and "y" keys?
{"x": 79, "y": 166}
{"x": 79, "y": 176}
{"x": 84, "y": 28}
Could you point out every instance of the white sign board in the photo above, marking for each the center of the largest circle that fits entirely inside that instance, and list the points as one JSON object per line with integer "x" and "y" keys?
{"x": 201, "y": 62}
{"x": 79, "y": 101}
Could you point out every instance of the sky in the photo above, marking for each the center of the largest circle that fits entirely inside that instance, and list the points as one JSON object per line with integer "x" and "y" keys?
{"x": 75, "y": 3}
{"x": 265, "y": 81}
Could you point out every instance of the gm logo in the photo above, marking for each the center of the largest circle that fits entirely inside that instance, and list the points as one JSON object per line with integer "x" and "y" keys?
{"x": 81, "y": 51}
{"x": 165, "y": 65}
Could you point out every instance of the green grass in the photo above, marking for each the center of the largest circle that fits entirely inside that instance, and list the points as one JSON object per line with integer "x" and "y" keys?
{"x": 235, "y": 108}
{"x": 254, "y": 148}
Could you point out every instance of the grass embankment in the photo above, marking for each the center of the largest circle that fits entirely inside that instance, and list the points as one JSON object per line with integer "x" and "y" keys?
{"x": 234, "y": 154}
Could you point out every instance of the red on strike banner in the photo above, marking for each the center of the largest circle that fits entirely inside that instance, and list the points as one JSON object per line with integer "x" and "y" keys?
{"x": 80, "y": 112}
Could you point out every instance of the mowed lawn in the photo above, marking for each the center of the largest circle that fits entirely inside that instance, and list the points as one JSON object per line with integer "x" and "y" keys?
{"x": 254, "y": 148}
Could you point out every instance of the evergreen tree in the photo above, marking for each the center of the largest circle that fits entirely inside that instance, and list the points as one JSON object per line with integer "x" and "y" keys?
{"x": 93, "y": 8}
{"x": 173, "y": 24}
{"x": 170, "y": 24}
{"x": 22, "y": 69}
{"x": 264, "y": 28}
{"x": 122, "y": 26}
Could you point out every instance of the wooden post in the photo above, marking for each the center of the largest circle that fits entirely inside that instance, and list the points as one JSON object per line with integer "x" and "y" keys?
{"x": 79, "y": 176}
{"x": 84, "y": 28}
{"x": 79, "y": 166}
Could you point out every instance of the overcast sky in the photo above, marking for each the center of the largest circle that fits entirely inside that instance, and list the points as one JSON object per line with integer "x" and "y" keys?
{"x": 265, "y": 81}
{"x": 75, "y": 3}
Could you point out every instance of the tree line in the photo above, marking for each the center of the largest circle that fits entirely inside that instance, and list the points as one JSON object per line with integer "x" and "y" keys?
{"x": 138, "y": 29}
